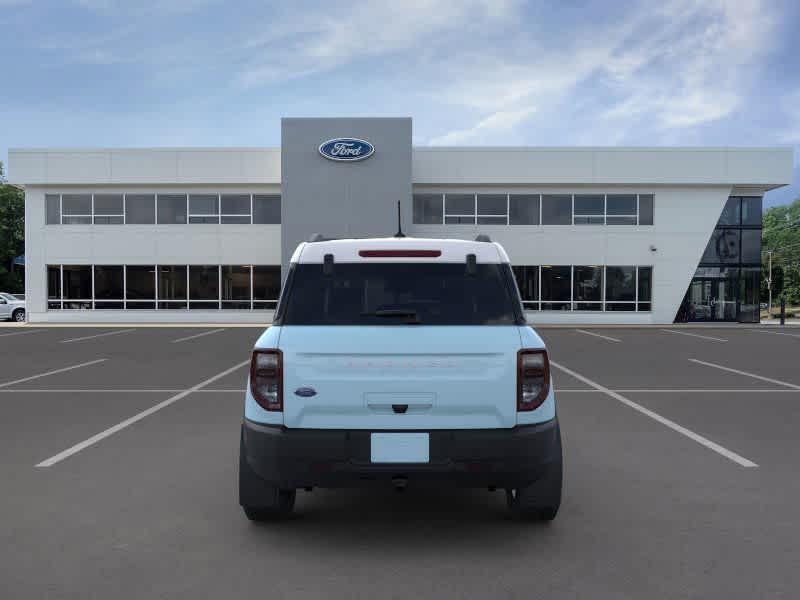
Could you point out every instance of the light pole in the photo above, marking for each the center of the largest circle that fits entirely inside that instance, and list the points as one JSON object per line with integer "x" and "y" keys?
{"x": 769, "y": 285}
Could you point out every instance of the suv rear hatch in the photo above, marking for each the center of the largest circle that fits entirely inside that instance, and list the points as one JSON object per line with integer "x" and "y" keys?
{"x": 399, "y": 346}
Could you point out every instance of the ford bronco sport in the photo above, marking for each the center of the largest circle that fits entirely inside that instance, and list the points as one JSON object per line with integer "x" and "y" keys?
{"x": 400, "y": 361}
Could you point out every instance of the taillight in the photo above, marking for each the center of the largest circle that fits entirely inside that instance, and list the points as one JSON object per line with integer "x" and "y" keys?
{"x": 266, "y": 378}
{"x": 533, "y": 379}
{"x": 399, "y": 253}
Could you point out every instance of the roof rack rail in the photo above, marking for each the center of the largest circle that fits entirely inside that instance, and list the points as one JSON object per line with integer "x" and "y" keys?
{"x": 482, "y": 237}
{"x": 317, "y": 237}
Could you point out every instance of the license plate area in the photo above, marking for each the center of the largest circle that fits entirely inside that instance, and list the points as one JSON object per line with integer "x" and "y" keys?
{"x": 399, "y": 448}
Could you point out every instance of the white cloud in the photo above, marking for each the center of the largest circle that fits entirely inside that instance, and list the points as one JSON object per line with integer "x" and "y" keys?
{"x": 496, "y": 122}
{"x": 304, "y": 45}
{"x": 681, "y": 65}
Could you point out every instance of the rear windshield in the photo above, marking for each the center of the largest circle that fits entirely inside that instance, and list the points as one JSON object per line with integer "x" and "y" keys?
{"x": 400, "y": 294}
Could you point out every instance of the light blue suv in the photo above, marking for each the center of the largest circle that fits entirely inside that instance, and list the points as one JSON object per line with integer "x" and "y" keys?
{"x": 400, "y": 361}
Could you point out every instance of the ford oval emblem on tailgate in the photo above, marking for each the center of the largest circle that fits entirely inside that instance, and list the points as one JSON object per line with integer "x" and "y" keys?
{"x": 305, "y": 392}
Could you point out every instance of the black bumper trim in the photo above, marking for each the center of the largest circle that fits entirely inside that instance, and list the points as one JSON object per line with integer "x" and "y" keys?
{"x": 293, "y": 458}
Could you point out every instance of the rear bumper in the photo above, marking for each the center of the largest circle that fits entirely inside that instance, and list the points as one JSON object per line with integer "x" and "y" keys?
{"x": 293, "y": 458}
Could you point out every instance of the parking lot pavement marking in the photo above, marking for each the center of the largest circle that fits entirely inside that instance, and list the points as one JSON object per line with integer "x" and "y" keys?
{"x": 746, "y": 374}
{"x": 605, "y": 337}
{"x": 774, "y": 332}
{"x": 191, "y": 337}
{"x": 54, "y": 372}
{"x": 670, "y": 391}
{"x": 91, "y": 337}
{"x": 730, "y": 455}
{"x": 114, "y": 391}
{"x": 49, "y": 462}
{"x": 697, "y": 335}
{"x": 22, "y": 332}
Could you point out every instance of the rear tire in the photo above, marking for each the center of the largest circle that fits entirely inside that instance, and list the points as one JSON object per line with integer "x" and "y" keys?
{"x": 260, "y": 500}
{"x": 18, "y": 315}
{"x": 540, "y": 500}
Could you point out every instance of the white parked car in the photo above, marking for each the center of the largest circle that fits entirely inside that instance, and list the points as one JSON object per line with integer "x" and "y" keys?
{"x": 12, "y": 308}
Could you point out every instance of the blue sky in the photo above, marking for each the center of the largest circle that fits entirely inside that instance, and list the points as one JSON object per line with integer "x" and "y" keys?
{"x": 470, "y": 72}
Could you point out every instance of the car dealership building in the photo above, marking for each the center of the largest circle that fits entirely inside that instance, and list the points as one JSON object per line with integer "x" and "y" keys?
{"x": 595, "y": 235}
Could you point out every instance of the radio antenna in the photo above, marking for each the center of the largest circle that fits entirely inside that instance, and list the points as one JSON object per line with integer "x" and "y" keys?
{"x": 399, "y": 233}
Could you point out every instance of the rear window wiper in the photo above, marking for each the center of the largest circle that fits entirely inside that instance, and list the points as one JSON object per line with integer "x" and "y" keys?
{"x": 395, "y": 312}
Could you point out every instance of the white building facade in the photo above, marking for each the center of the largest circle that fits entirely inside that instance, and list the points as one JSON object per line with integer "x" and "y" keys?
{"x": 595, "y": 235}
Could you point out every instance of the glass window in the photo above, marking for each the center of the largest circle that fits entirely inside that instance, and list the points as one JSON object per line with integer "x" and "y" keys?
{"x": 266, "y": 285}
{"x": 236, "y": 287}
{"x": 492, "y": 209}
{"x": 587, "y": 284}
{"x": 204, "y": 286}
{"x": 267, "y": 209}
{"x": 645, "y": 284}
{"x": 731, "y": 213}
{"x": 556, "y": 287}
{"x": 140, "y": 283}
{"x": 53, "y": 282}
{"x": 235, "y": 208}
{"x": 459, "y": 209}
{"x": 556, "y": 210}
{"x": 751, "y": 211}
{"x": 645, "y": 288}
{"x": 492, "y": 205}
{"x": 108, "y": 282}
{"x": 399, "y": 294}
{"x": 589, "y": 209}
{"x": 77, "y": 282}
{"x": 171, "y": 209}
{"x": 646, "y": 209}
{"x": 140, "y": 209}
{"x": 620, "y": 306}
{"x": 621, "y": 204}
{"x": 428, "y": 209}
{"x": 751, "y": 245}
{"x": 749, "y": 295}
{"x": 204, "y": 208}
{"x": 53, "y": 209}
{"x": 76, "y": 209}
{"x": 723, "y": 247}
{"x": 523, "y": 209}
{"x": 172, "y": 286}
{"x": 528, "y": 283}
{"x": 108, "y": 209}
{"x": 620, "y": 285}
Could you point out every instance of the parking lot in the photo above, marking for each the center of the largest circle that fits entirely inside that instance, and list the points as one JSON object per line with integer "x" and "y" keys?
{"x": 118, "y": 471}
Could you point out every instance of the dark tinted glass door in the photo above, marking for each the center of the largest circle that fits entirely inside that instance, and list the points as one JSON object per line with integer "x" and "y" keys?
{"x": 711, "y": 300}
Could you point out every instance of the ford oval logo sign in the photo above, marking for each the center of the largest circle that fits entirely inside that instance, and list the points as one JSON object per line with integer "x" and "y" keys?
{"x": 305, "y": 392}
{"x": 346, "y": 149}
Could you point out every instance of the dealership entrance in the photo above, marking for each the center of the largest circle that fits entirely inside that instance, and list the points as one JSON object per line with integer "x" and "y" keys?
{"x": 726, "y": 285}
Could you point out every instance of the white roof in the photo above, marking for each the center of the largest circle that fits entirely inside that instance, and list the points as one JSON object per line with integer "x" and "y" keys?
{"x": 347, "y": 250}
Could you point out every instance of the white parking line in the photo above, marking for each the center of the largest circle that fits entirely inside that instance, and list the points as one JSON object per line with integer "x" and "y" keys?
{"x": 191, "y": 337}
{"x": 605, "y": 337}
{"x": 746, "y": 374}
{"x": 22, "y": 332}
{"x": 54, "y": 372}
{"x": 774, "y": 332}
{"x": 134, "y": 391}
{"x": 738, "y": 459}
{"x": 49, "y": 462}
{"x": 697, "y": 335}
{"x": 661, "y": 391}
{"x": 91, "y": 337}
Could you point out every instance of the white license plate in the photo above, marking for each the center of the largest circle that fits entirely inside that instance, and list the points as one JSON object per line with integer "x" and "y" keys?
{"x": 400, "y": 447}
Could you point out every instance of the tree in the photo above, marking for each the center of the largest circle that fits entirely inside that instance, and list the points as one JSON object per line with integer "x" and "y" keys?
{"x": 12, "y": 234}
{"x": 781, "y": 235}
